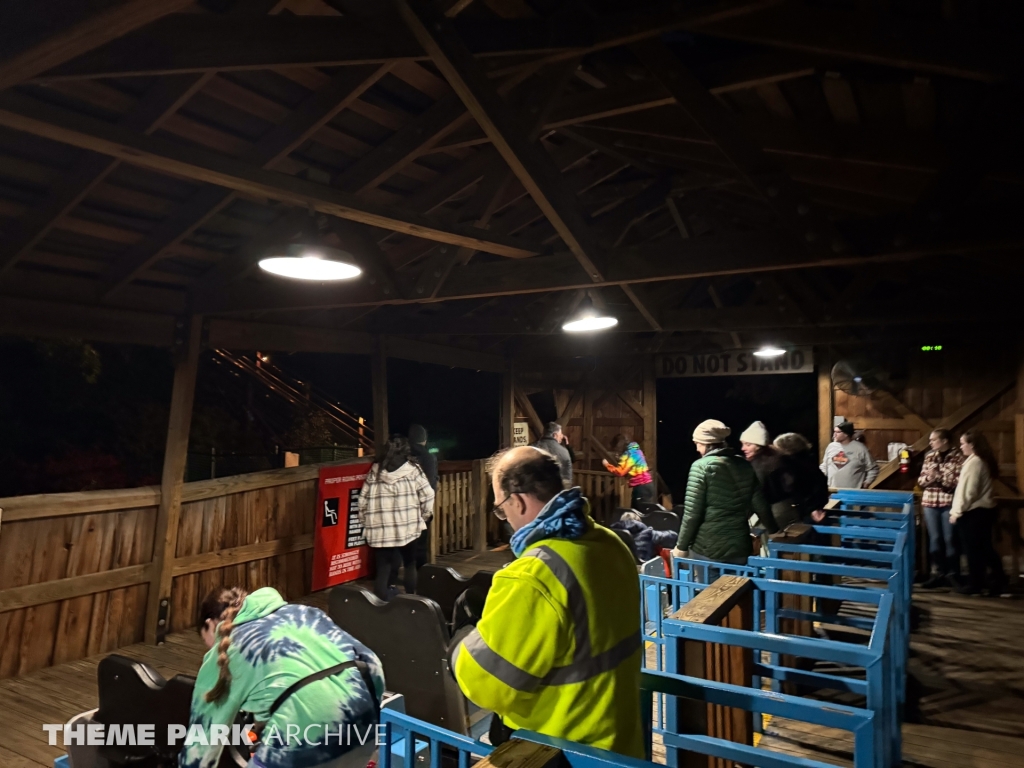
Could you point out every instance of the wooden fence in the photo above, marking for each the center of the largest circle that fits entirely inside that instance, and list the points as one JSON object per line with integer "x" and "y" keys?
{"x": 605, "y": 491}
{"x": 454, "y": 514}
{"x": 75, "y": 568}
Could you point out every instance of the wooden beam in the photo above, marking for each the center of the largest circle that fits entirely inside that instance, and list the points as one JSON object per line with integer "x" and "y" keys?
{"x": 920, "y": 424}
{"x": 220, "y": 43}
{"x": 837, "y": 34}
{"x": 310, "y": 116}
{"x": 708, "y": 256}
{"x": 379, "y": 376}
{"x": 24, "y": 114}
{"x": 223, "y": 558}
{"x": 165, "y": 535}
{"x": 1019, "y": 424}
{"x": 529, "y": 411}
{"x": 825, "y": 400}
{"x": 59, "y": 319}
{"x": 507, "y": 407}
{"x": 650, "y": 405}
{"x": 531, "y": 165}
{"x": 951, "y": 422}
{"x": 162, "y": 100}
{"x": 13, "y": 598}
{"x": 68, "y": 32}
{"x": 775, "y": 189}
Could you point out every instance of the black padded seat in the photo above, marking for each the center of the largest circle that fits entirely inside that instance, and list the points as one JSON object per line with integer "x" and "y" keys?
{"x": 444, "y": 585}
{"x": 132, "y": 692}
{"x": 410, "y": 636}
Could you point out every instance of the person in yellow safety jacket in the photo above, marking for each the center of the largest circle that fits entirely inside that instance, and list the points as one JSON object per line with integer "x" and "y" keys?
{"x": 557, "y": 649}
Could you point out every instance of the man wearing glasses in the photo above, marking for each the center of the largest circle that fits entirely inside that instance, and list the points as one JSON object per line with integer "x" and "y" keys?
{"x": 558, "y": 648}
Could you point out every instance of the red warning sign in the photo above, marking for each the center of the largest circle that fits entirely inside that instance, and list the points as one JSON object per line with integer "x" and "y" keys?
{"x": 340, "y": 553}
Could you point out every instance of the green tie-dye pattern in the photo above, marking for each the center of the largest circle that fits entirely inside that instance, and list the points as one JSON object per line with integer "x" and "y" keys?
{"x": 274, "y": 644}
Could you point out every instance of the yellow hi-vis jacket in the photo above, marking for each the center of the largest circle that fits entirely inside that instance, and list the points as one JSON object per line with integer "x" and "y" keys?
{"x": 557, "y": 650}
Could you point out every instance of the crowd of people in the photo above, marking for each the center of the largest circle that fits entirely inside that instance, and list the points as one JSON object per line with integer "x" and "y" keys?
{"x": 572, "y": 670}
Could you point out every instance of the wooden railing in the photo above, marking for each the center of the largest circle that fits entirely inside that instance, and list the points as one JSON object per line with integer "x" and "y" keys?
{"x": 728, "y": 602}
{"x": 605, "y": 491}
{"x": 76, "y": 568}
{"x": 455, "y": 512}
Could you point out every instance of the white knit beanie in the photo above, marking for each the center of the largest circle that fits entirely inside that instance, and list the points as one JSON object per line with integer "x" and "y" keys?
{"x": 756, "y": 434}
{"x": 710, "y": 432}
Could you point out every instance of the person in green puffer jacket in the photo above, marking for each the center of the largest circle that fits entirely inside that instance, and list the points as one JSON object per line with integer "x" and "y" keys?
{"x": 721, "y": 494}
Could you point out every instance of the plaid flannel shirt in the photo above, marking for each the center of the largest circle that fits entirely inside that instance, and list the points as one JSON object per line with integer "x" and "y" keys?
{"x": 393, "y": 505}
{"x": 939, "y": 476}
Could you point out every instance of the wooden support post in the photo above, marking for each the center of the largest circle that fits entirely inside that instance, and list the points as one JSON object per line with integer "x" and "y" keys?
{"x": 1017, "y": 514}
{"x": 825, "y": 395}
{"x": 165, "y": 538}
{"x": 650, "y": 408}
{"x": 593, "y": 447}
{"x": 481, "y": 491}
{"x": 507, "y": 412}
{"x": 726, "y": 603}
{"x": 379, "y": 379}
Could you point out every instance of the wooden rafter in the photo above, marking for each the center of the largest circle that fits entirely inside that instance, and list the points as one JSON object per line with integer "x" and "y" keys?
{"x": 149, "y": 114}
{"x": 530, "y": 164}
{"x": 789, "y": 204}
{"x": 66, "y": 34}
{"x": 701, "y": 257}
{"x": 318, "y": 108}
{"x": 23, "y": 114}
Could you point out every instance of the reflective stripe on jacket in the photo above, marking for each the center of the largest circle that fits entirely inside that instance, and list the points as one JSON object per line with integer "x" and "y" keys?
{"x": 558, "y": 648}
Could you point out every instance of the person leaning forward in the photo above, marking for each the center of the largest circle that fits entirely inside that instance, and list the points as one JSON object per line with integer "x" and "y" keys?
{"x": 572, "y": 668}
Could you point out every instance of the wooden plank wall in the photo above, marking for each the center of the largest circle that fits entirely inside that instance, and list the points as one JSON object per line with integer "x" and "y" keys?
{"x": 75, "y": 568}
{"x": 217, "y": 527}
{"x": 938, "y": 386}
{"x": 454, "y": 508}
{"x": 595, "y": 406}
{"x": 36, "y": 551}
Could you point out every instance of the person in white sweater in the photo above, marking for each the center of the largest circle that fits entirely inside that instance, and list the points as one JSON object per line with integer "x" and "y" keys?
{"x": 974, "y": 514}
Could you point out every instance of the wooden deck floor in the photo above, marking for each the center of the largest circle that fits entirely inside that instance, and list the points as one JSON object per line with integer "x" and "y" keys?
{"x": 967, "y": 650}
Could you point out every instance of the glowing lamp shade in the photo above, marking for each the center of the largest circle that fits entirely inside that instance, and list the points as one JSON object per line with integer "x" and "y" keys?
{"x": 316, "y": 263}
{"x": 769, "y": 351}
{"x": 588, "y": 319}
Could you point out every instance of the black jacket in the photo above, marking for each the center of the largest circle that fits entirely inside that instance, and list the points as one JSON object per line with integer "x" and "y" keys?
{"x": 564, "y": 455}
{"x": 427, "y": 462}
{"x": 796, "y": 480}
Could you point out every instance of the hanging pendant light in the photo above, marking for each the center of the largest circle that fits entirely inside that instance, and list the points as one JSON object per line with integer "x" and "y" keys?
{"x": 587, "y": 318}
{"x": 303, "y": 261}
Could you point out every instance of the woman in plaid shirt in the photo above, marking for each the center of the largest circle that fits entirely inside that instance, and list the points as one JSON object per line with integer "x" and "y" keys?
{"x": 939, "y": 476}
{"x": 394, "y": 504}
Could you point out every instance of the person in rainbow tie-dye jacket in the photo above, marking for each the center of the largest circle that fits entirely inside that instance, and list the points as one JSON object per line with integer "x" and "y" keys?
{"x": 633, "y": 465}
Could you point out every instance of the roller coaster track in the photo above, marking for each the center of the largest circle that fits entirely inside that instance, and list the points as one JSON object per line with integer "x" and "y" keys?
{"x": 353, "y": 428}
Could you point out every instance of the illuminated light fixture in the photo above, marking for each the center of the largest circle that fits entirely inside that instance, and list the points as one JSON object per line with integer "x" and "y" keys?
{"x": 769, "y": 351}
{"x": 312, "y": 262}
{"x": 588, "y": 319}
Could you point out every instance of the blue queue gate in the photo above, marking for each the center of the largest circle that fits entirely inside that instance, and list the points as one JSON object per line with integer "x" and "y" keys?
{"x": 870, "y": 550}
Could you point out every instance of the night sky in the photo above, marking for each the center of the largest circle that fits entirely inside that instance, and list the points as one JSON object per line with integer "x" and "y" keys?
{"x": 78, "y": 416}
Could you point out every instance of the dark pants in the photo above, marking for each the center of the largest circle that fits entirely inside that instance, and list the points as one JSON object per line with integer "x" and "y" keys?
{"x": 976, "y": 527}
{"x": 388, "y": 561}
{"x": 643, "y": 492}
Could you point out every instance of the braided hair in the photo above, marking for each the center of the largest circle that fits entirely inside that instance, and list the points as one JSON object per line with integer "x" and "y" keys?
{"x": 221, "y": 605}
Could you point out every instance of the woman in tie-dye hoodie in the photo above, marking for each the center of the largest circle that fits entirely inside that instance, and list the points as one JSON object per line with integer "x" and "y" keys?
{"x": 632, "y": 464}
{"x": 259, "y": 646}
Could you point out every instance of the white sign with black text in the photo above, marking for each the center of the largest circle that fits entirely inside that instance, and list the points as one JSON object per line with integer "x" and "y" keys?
{"x": 520, "y": 434}
{"x": 738, "y": 362}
